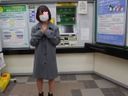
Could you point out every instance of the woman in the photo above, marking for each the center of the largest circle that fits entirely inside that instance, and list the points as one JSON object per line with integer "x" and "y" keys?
{"x": 45, "y": 37}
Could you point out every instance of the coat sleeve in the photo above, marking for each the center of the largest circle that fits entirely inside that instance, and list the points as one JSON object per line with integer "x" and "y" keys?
{"x": 36, "y": 35}
{"x": 53, "y": 36}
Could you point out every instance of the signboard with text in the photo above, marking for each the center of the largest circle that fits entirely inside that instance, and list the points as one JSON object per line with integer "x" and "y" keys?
{"x": 13, "y": 21}
{"x": 111, "y": 22}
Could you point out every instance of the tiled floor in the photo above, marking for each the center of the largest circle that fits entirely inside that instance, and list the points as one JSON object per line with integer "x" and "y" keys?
{"x": 67, "y": 85}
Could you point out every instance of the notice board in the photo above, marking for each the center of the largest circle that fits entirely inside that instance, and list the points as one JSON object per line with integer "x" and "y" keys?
{"x": 111, "y": 22}
{"x": 13, "y": 21}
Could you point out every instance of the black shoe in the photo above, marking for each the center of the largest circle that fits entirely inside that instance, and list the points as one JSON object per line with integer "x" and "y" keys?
{"x": 50, "y": 94}
{"x": 41, "y": 94}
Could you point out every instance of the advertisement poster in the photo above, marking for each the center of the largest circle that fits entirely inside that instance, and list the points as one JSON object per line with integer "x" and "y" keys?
{"x": 13, "y": 21}
{"x": 111, "y": 22}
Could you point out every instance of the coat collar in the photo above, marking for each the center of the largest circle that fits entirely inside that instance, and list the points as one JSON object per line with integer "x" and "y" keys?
{"x": 39, "y": 25}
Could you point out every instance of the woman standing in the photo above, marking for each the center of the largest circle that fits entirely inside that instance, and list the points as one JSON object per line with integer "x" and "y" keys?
{"x": 45, "y": 36}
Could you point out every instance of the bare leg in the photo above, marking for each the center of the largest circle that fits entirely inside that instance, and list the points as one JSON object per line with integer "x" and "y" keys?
{"x": 51, "y": 86}
{"x": 39, "y": 83}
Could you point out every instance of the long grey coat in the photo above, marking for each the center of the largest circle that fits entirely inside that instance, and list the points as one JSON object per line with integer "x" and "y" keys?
{"x": 45, "y": 51}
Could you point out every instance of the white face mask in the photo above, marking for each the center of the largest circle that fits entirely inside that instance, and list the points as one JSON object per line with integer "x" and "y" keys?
{"x": 44, "y": 17}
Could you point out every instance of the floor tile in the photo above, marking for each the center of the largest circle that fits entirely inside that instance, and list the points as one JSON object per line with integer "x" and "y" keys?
{"x": 96, "y": 77}
{"x": 76, "y": 92}
{"x": 68, "y": 81}
{"x": 92, "y": 92}
{"x": 73, "y": 85}
{"x": 67, "y": 77}
{"x": 67, "y": 85}
{"x": 84, "y": 77}
{"x": 90, "y": 84}
{"x": 123, "y": 90}
{"x": 104, "y": 84}
{"x": 21, "y": 79}
{"x": 63, "y": 89}
{"x": 112, "y": 92}
{"x": 31, "y": 79}
{"x": 24, "y": 90}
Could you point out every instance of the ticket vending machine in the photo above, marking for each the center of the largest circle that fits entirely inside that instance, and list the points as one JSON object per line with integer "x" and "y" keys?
{"x": 76, "y": 26}
{"x": 66, "y": 21}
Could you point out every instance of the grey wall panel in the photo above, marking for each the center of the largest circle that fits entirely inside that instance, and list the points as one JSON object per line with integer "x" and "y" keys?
{"x": 86, "y": 22}
{"x": 39, "y": 1}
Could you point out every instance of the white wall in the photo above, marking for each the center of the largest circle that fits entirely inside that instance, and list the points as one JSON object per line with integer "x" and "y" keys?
{"x": 75, "y": 62}
{"x": 66, "y": 63}
{"x": 108, "y": 66}
{"x": 112, "y": 67}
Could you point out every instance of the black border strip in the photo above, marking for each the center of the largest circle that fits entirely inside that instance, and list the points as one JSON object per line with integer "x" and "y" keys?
{"x": 110, "y": 50}
{"x": 9, "y": 51}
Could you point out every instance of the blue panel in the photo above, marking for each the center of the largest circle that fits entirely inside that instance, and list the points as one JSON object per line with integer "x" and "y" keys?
{"x": 111, "y": 39}
{"x": 111, "y": 8}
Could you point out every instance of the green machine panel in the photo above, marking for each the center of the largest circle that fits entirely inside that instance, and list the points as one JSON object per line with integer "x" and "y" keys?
{"x": 66, "y": 15}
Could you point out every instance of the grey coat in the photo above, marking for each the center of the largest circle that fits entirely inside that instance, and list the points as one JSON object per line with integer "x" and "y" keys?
{"x": 45, "y": 65}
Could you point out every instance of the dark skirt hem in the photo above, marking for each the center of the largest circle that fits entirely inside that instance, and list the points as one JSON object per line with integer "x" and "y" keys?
{"x": 45, "y": 78}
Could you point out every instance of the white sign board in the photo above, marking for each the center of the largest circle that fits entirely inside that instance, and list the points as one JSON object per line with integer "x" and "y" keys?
{"x": 82, "y": 7}
{"x": 13, "y": 21}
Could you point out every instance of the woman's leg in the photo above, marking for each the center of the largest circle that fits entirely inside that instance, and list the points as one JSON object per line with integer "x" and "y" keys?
{"x": 51, "y": 86}
{"x": 39, "y": 83}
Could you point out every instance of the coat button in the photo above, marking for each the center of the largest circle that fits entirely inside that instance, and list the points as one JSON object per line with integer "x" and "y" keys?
{"x": 44, "y": 62}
